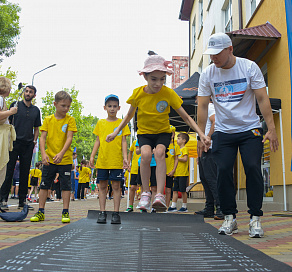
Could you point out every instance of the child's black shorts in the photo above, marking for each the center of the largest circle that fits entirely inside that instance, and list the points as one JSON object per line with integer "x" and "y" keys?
{"x": 153, "y": 181}
{"x": 169, "y": 182}
{"x": 180, "y": 184}
{"x": 49, "y": 174}
{"x": 154, "y": 139}
{"x": 135, "y": 179}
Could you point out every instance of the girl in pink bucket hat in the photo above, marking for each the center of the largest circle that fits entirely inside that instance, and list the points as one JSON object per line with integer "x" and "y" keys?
{"x": 153, "y": 102}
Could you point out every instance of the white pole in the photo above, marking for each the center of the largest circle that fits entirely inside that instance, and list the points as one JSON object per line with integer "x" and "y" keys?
{"x": 129, "y": 176}
{"x": 283, "y": 159}
{"x": 192, "y": 170}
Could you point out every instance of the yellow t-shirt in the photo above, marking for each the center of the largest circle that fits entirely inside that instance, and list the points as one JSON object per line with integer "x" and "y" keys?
{"x": 174, "y": 150}
{"x": 182, "y": 167}
{"x": 34, "y": 173}
{"x": 135, "y": 158}
{"x": 110, "y": 154}
{"x": 57, "y": 136}
{"x": 154, "y": 109}
{"x": 84, "y": 175}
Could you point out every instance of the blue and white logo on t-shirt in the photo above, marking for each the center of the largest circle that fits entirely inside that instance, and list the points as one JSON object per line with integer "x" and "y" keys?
{"x": 120, "y": 133}
{"x": 171, "y": 152}
{"x": 161, "y": 106}
{"x": 64, "y": 128}
{"x": 230, "y": 91}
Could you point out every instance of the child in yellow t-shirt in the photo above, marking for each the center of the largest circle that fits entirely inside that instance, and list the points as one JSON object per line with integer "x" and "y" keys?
{"x": 133, "y": 158}
{"x": 153, "y": 102}
{"x": 84, "y": 176}
{"x": 34, "y": 177}
{"x": 57, "y": 132}
{"x": 112, "y": 157}
{"x": 171, "y": 164}
{"x": 181, "y": 174}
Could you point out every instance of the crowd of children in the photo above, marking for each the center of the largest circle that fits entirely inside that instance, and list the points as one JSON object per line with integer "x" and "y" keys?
{"x": 156, "y": 161}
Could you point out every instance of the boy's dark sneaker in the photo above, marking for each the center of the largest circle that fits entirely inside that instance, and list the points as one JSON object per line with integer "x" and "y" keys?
{"x": 218, "y": 215}
{"x": 21, "y": 205}
{"x": 116, "y": 219}
{"x": 207, "y": 213}
{"x": 4, "y": 206}
{"x": 101, "y": 219}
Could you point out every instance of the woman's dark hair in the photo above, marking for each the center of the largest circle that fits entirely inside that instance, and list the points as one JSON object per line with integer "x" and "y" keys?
{"x": 83, "y": 162}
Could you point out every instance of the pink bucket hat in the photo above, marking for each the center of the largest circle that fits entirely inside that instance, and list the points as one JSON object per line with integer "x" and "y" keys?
{"x": 156, "y": 63}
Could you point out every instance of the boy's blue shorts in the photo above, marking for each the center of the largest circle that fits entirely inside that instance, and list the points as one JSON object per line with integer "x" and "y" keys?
{"x": 110, "y": 174}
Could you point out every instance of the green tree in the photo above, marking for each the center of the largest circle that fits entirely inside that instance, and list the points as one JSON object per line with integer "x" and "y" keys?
{"x": 14, "y": 94}
{"x": 9, "y": 28}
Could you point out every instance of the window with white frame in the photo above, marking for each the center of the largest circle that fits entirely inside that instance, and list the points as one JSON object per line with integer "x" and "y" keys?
{"x": 200, "y": 67}
{"x": 194, "y": 33}
{"x": 201, "y": 13}
{"x": 253, "y": 6}
{"x": 228, "y": 16}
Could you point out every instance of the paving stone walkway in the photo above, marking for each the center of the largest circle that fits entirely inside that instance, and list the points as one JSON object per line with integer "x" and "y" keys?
{"x": 277, "y": 242}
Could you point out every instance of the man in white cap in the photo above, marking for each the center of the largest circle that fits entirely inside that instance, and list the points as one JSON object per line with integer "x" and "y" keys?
{"x": 234, "y": 83}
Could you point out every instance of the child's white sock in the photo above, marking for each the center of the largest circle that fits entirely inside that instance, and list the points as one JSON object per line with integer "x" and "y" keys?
{"x": 173, "y": 205}
{"x": 184, "y": 205}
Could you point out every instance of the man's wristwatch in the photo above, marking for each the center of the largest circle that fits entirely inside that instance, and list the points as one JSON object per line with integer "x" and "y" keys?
{"x": 198, "y": 138}
{"x": 35, "y": 142}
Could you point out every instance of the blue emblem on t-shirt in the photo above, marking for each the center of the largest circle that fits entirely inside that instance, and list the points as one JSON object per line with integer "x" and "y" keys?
{"x": 120, "y": 133}
{"x": 171, "y": 152}
{"x": 161, "y": 106}
{"x": 64, "y": 128}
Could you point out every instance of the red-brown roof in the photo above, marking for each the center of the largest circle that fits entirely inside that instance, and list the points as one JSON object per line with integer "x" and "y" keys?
{"x": 186, "y": 9}
{"x": 265, "y": 30}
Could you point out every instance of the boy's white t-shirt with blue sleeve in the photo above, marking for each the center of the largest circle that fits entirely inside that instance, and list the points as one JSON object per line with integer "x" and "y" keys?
{"x": 233, "y": 95}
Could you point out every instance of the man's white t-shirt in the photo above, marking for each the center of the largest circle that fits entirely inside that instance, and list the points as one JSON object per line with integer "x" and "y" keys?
{"x": 232, "y": 94}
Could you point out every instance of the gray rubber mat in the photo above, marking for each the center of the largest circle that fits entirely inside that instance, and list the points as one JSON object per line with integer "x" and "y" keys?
{"x": 143, "y": 242}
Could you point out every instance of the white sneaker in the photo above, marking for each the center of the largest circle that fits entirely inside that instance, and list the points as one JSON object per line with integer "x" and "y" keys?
{"x": 144, "y": 203}
{"x": 229, "y": 225}
{"x": 159, "y": 203}
{"x": 255, "y": 227}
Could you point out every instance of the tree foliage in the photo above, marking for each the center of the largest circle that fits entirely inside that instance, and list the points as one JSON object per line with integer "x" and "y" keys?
{"x": 9, "y": 28}
{"x": 14, "y": 94}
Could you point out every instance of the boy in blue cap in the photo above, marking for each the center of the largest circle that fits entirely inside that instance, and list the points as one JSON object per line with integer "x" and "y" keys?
{"x": 112, "y": 157}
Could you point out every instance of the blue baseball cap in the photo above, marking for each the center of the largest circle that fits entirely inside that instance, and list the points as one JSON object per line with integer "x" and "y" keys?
{"x": 111, "y": 96}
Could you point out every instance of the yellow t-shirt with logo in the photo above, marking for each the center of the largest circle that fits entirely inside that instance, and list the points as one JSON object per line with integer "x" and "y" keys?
{"x": 110, "y": 154}
{"x": 57, "y": 136}
{"x": 173, "y": 150}
{"x": 154, "y": 109}
{"x": 182, "y": 167}
{"x": 84, "y": 174}
{"x": 135, "y": 158}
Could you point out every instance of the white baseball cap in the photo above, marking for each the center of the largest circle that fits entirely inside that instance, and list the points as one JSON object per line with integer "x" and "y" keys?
{"x": 217, "y": 42}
